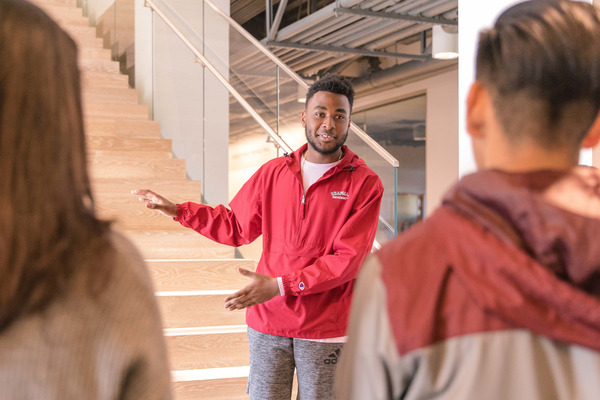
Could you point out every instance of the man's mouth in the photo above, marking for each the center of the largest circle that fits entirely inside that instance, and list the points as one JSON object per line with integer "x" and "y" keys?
{"x": 327, "y": 136}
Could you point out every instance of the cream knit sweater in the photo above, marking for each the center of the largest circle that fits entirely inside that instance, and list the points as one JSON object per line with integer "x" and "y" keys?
{"x": 85, "y": 348}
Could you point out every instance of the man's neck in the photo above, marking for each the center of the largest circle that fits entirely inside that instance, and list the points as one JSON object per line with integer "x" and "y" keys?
{"x": 313, "y": 156}
{"x": 525, "y": 158}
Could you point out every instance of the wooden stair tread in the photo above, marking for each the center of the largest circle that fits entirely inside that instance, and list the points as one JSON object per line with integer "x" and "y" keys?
{"x": 176, "y": 244}
{"x": 199, "y": 274}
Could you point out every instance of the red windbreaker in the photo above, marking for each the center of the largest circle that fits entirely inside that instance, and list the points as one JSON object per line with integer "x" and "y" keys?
{"x": 316, "y": 241}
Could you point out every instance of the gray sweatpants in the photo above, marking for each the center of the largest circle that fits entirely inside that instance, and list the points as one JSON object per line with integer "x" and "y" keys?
{"x": 272, "y": 363}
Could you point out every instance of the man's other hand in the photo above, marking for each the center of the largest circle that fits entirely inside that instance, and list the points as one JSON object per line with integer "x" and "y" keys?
{"x": 261, "y": 289}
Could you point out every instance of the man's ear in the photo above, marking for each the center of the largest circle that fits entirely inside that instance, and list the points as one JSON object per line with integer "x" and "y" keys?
{"x": 593, "y": 136}
{"x": 477, "y": 102}
{"x": 303, "y": 119}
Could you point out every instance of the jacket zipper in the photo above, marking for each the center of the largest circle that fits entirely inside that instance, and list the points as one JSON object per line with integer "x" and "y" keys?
{"x": 303, "y": 206}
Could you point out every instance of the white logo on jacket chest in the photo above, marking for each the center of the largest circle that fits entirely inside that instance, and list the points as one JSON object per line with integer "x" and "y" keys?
{"x": 340, "y": 195}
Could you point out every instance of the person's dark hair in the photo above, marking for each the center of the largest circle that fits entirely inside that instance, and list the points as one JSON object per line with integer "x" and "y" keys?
{"x": 541, "y": 64}
{"x": 332, "y": 83}
{"x": 48, "y": 228}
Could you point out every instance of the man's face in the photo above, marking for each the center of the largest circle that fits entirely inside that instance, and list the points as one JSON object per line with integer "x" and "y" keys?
{"x": 326, "y": 122}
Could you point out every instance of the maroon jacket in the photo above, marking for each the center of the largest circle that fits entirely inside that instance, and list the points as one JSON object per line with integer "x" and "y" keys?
{"x": 495, "y": 296}
{"x": 315, "y": 241}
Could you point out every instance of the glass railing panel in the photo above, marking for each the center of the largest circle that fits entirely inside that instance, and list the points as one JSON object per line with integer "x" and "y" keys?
{"x": 387, "y": 221}
{"x": 251, "y": 73}
{"x": 246, "y": 154}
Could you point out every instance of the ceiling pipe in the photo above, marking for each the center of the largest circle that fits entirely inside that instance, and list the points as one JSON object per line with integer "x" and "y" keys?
{"x": 278, "y": 16}
{"x": 391, "y": 39}
{"x": 402, "y": 74}
{"x": 312, "y": 20}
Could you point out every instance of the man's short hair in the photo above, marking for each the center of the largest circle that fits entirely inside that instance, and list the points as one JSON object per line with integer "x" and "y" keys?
{"x": 332, "y": 83}
{"x": 541, "y": 65}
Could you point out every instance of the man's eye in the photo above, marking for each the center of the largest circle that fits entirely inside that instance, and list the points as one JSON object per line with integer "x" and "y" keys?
{"x": 340, "y": 117}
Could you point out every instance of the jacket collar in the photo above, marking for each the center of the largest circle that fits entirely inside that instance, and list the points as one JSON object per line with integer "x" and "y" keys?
{"x": 349, "y": 160}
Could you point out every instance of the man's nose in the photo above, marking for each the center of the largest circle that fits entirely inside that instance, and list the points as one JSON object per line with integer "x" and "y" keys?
{"x": 328, "y": 122}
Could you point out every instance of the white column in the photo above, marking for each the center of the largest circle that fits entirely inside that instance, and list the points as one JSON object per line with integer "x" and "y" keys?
{"x": 442, "y": 149}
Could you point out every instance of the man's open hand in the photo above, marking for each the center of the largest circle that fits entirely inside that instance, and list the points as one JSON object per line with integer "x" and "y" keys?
{"x": 261, "y": 289}
{"x": 156, "y": 202}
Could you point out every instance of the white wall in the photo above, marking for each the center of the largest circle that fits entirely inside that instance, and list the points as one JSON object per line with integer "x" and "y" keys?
{"x": 188, "y": 101}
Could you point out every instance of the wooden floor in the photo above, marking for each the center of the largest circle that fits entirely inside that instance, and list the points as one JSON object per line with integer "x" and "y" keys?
{"x": 208, "y": 346}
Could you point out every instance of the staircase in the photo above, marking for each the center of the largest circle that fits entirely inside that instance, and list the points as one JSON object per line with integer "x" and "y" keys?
{"x": 207, "y": 345}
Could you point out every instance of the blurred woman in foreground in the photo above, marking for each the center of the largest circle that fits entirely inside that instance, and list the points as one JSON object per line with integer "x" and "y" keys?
{"x": 78, "y": 317}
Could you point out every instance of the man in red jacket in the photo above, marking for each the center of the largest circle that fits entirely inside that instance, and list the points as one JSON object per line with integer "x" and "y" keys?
{"x": 317, "y": 210}
{"x": 497, "y": 294}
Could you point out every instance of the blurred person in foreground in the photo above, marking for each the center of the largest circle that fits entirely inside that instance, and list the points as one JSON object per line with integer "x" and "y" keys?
{"x": 78, "y": 317}
{"x": 496, "y": 295}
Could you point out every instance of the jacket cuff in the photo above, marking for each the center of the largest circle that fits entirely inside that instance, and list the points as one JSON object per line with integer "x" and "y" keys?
{"x": 292, "y": 287}
{"x": 180, "y": 212}
{"x": 285, "y": 282}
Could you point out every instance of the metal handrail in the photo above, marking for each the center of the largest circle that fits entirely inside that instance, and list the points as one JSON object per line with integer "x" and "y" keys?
{"x": 359, "y": 132}
{"x": 220, "y": 77}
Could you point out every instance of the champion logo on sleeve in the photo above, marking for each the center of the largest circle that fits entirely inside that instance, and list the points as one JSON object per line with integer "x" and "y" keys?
{"x": 301, "y": 286}
{"x": 341, "y": 195}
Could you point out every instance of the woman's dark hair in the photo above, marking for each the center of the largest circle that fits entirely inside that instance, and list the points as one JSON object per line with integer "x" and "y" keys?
{"x": 48, "y": 228}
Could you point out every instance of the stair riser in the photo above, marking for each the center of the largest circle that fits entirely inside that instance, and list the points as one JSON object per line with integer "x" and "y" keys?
{"x": 108, "y": 110}
{"x": 123, "y": 168}
{"x": 216, "y": 389}
{"x": 195, "y": 311}
{"x": 104, "y": 79}
{"x": 122, "y": 128}
{"x": 199, "y": 275}
{"x": 177, "y": 244}
{"x": 99, "y": 94}
{"x": 208, "y": 351}
{"x": 104, "y": 143}
{"x": 175, "y": 190}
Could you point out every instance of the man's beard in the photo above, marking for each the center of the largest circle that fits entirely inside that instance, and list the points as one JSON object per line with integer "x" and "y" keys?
{"x": 311, "y": 141}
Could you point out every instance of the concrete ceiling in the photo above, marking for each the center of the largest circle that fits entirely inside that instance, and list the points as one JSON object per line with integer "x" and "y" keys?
{"x": 376, "y": 43}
